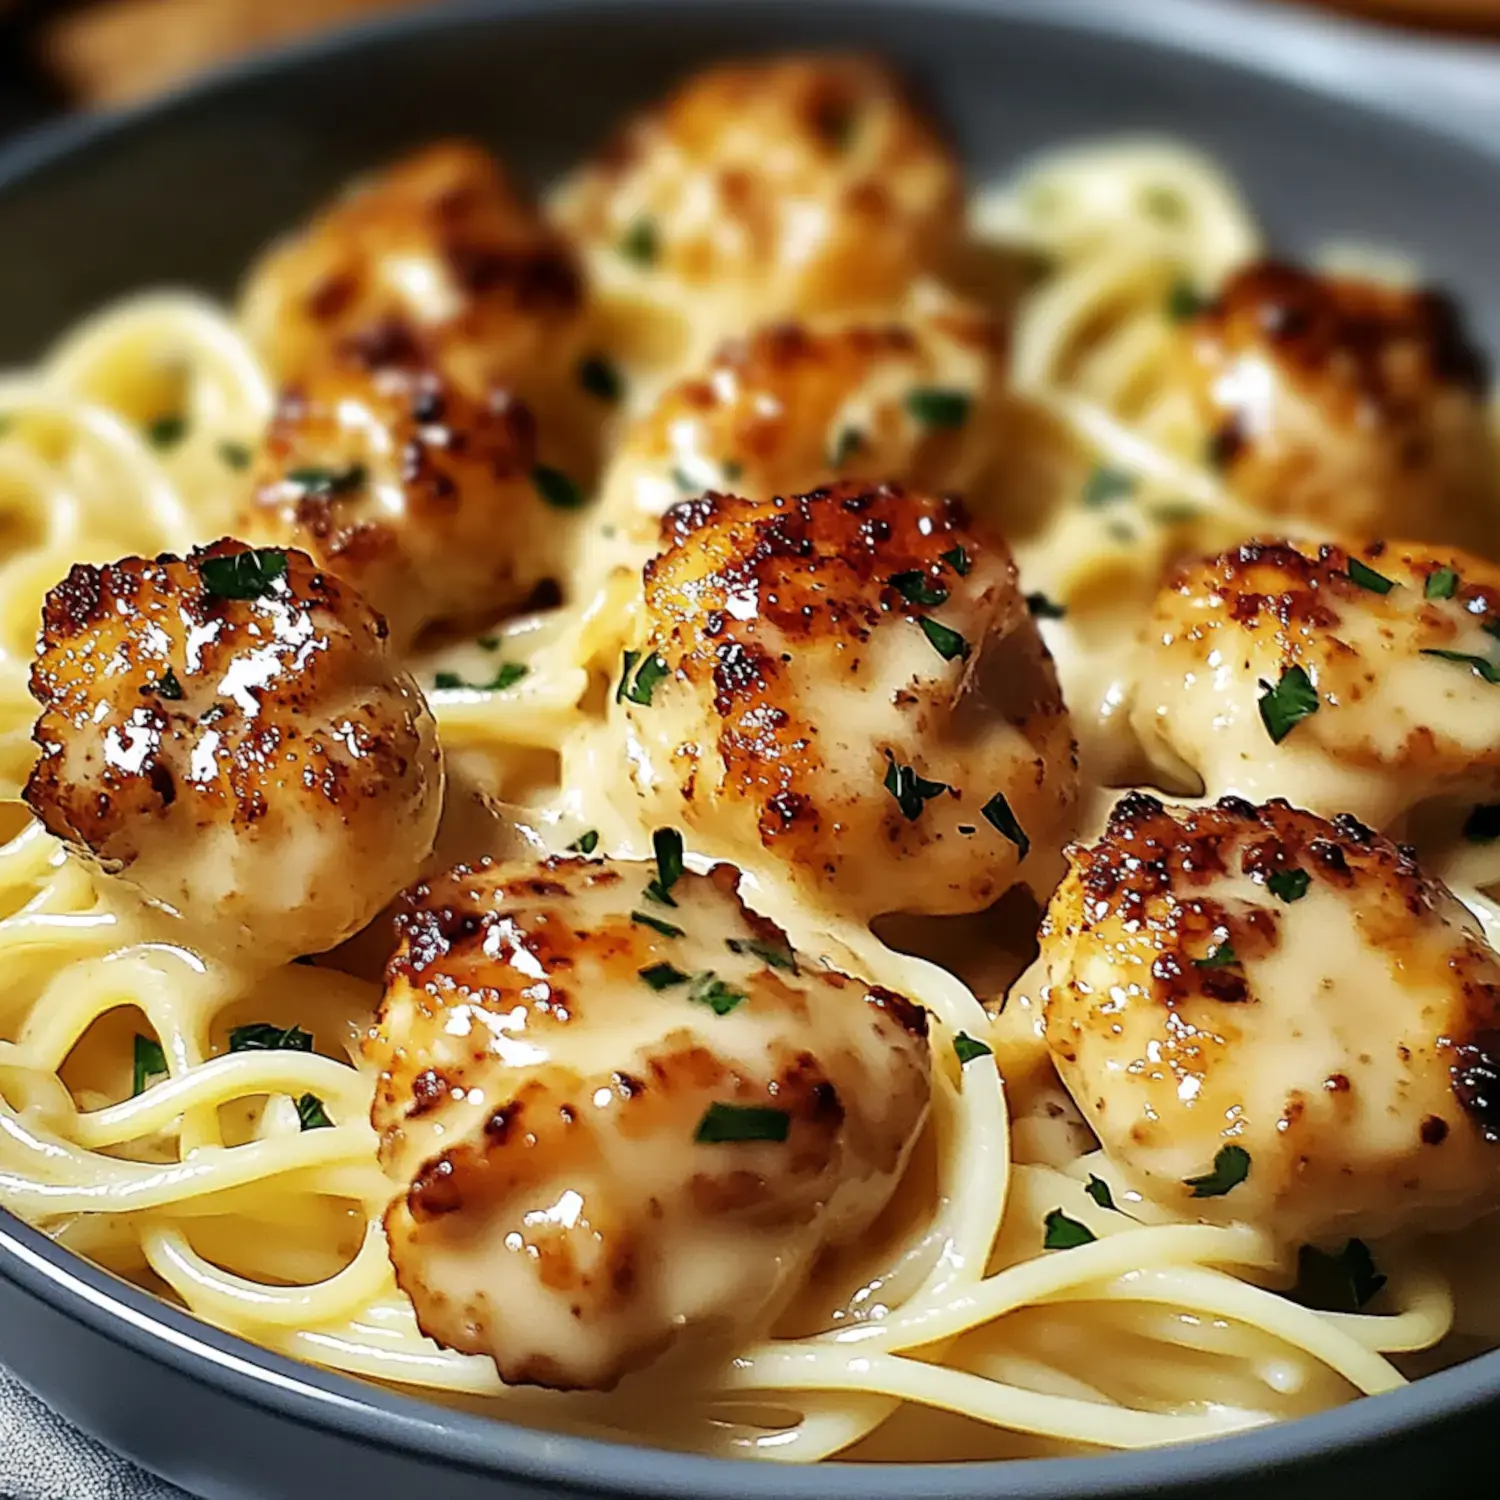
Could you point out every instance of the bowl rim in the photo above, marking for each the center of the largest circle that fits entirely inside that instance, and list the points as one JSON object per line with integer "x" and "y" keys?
{"x": 388, "y": 1420}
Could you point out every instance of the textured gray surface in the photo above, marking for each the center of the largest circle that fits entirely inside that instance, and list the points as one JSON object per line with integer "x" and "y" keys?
{"x": 41, "y": 1457}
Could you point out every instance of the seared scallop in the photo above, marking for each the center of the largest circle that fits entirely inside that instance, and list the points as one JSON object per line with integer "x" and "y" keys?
{"x": 1357, "y": 406}
{"x": 1267, "y": 1016}
{"x": 849, "y": 680}
{"x": 229, "y": 734}
{"x": 623, "y": 1114}
{"x": 435, "y": 504}
{"x": 764, "y": 190}
{"x": 795, "y": 405}
{"x": 1360, "y": 681}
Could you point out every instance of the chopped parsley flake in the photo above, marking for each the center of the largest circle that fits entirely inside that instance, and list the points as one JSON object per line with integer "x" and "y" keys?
{"x": 651, "y": 671}
{"x": 1106, "y": 485}
{"x": 1440, "y": 585}
{"x": 261, "y": 1036}
{"x": 645, "y": 919}
{"x": 600, "y": 378}
{"x": 1163, "y": 203}
{"x": 1098, "y": 1190}
{"x": 1221, "y": 957}
{"x": 917, "y": 588}
{"x": 166, "y": 431}
{"x": 966, "y": 1048}
{"x": 311, "y": 1115}
{"x": 1342, "y": 1282}
{"x": 782, "y": 957}
{"x": 1285, "y": 706}
{"x": 1063, "y": 1233}
{"x": 167, "y": 685}
{"x": 234, "y": 455}
{"x": 958, "y": 560}
{"x": 325, "y": 482}
{"x": 1042, "y": 608}
{"x": 1231, "y": 1168}
{"x": 849, "y": 442}
{"x": 1289, "y": 885}
{"x": 663, "y": 976}
{"x": 556, "y": 488}
{"x": 667, "y": 845}
{"x": 243, "y": 575}
{"x": 728, "y": 1123}
{"x": 934, "y": 406}
{"x": 488, "y": 642}
{"x": 997, "y": 813}
{"x": 708, "y": 989}
{"x": 1487, "y": 669}
{"x": 150, "y": 1062}
{"x": 1368, "y": 578}
{"x": 947, "y": 643}
{"x": 639, "y": 243}
{"x": 510, "y": 673}
{"x": 1184, "y": 301}
{"x": 586, "y": 843}
{"x": 911, "y": 791}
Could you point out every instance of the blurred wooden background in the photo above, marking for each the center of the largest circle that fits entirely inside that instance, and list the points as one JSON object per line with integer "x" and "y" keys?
{"x": 99, "y": 52}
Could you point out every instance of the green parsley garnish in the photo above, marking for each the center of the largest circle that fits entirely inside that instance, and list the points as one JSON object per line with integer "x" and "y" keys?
{"x": 1098, "y": 1190}
{"x": 934, "y": 406}
{"x": 261, "y": 1036}
{"x": 1221, "y": 957}
{"x": 997, "y": 813}
{"x": 510, "y": 673}
{"x": 662, "y": 976}
{"x": 488, "y": 642}
{"x": 1163, "y": 203}
{"x": 235, "y": 455}
{"x": 708, "y": 989}
{"x": 1042, "y": 608}
{"x": 777, "y": 957}
{"x": 1487, "y": 669}
{"x": 585, "y": 843}
{"x": 1184, "y": 302}
{"x": 167, "y": 685}
{"x": 911, "y": 791}
{"x": 966, "y": 1048}
{"x": 1106, "y": 485}
{"x": 324, "y": 482}
{"x": 849, "y": 441}
{"x": 556, "y": 488}
{"x": 1368, "y": 578}
{"x": 639, "y": 243}
{"x": 1289, "y": 885}
{"x": 651, "y": 671}
{"x": 243, "y": 575}
{"x": 1063, "y": 1233}
{"x": 600, "y": 378}
{"x": 150, "y": 1062}
{"x": 666, "y": 843}
{"x": 1341, "y": 1282}
{"x": 917, "y": 588}
{"x": 1441, "y": 584}
{"x": 947, "y": 643}
{"x": 166, "y": 431}
{"x": 958, "y": 560}
{"x": 311, "y": 1115}
{"x": 1285, "y": 706}
{"x": 645, "y": 919}
{"x": 1231, "y": 1168}
{"x": 726, "y": 1123}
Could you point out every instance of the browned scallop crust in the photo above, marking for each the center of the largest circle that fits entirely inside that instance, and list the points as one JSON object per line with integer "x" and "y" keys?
{"x": 1294, "y": 986}
{"x": 179, "y": 723}
{"x": 526, "y": 1063}
{"x": 1353, "y": 403}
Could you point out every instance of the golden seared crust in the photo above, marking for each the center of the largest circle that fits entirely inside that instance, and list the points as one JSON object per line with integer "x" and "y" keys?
{"x": 795, "y": 405}
{"x": 1261, "y": 978}
{"x": 1394, "y": 723}
{"x": 423, "y": 497}
{"x": 856, "y": 726}
{"x": 548, "y": 1065}
{"x": 1354, "y": 404}
{"x": 228, "y": 733}
{"x": 442, "y": 246}
{"x": 769, "y": 189}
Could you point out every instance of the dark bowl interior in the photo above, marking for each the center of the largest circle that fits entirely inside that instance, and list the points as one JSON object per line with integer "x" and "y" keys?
{"x": 186, "y": 191}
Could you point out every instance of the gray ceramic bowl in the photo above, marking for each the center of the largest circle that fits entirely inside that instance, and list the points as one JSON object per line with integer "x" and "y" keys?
{"x": 1331, "y": 141}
